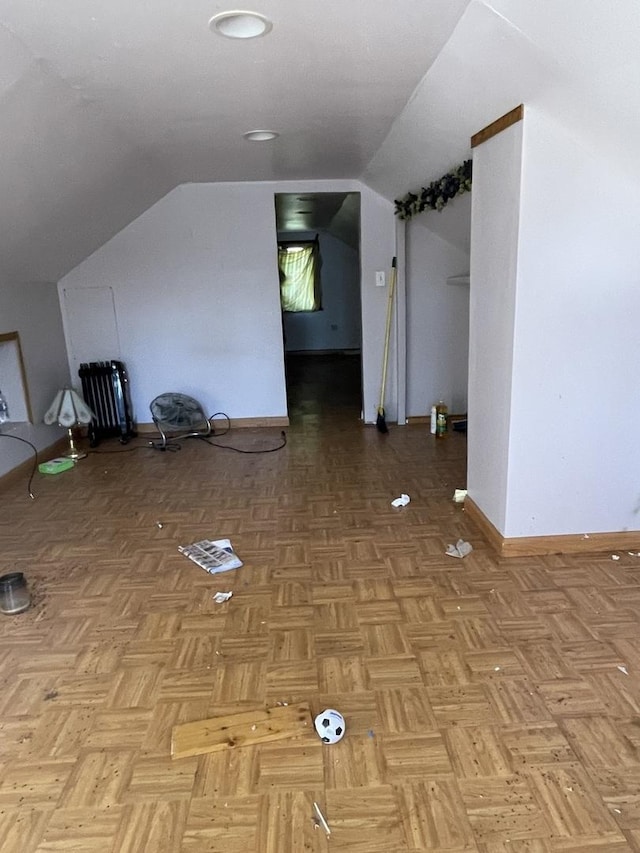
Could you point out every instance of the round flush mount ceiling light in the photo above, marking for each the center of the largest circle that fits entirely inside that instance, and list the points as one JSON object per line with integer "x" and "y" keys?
{"x": 240, "y": 25}
{"x": 260, "y": 135}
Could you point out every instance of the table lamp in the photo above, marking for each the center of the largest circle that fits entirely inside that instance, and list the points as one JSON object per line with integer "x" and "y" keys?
{"x": 69, "y": 410}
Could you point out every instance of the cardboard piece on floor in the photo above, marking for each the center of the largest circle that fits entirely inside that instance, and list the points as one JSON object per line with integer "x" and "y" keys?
{"x": 244, "y": 729}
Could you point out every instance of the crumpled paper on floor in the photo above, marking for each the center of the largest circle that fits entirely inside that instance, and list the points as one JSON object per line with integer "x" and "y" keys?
{"x": 460, "y": 549}
{"x": 221, "y": 597}
{"x": 403, "y": 500}
{"x": 459, "y": 495}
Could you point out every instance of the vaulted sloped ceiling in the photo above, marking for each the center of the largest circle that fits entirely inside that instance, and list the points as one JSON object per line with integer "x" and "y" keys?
{"x": 106, "y": 106}
{"x": 577, "y": 60}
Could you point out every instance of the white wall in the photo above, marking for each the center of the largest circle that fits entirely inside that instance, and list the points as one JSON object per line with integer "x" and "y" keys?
{"x": 33, "y": 311}
{"x": 437, "y": 319}
{"x": 494, "y": 247}
{"x": 337, "y": 325}
{"x": 574, "y": 451}
{"x": 196, "y": 292}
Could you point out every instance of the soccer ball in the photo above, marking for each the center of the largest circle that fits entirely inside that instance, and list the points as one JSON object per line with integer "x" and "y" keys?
{"x": 330, "y": 726}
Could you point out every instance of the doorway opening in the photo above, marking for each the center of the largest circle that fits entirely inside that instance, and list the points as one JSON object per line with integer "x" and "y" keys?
{"x": 318, "y": 238}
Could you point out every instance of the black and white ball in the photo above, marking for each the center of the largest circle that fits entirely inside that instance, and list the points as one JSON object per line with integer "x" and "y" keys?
{"x": 330, "y": 726}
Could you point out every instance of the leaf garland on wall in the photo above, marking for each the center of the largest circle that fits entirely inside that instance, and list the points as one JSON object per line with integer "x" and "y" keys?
{"x": 438, "y": 194}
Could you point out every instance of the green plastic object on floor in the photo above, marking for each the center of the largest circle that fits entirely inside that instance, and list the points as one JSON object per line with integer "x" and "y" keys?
{"x": 56, "y": 466}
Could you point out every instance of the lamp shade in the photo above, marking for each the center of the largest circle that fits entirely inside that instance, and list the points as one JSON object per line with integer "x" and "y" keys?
{"x": 68, "y": 409}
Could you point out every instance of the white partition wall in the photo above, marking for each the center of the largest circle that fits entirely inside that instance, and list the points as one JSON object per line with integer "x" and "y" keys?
{"x": 554, "y": 406}
{"x": 494, "y": 258}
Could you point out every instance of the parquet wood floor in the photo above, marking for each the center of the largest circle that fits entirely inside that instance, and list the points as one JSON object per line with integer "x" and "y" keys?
{"x": 486, "y": 709}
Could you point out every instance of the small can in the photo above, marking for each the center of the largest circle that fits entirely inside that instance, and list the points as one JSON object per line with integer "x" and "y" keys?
{"x": 14, "y": 594}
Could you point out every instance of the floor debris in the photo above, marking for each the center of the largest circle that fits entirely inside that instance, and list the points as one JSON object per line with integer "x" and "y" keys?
{"x": 623, "y": 669}
{"x": 242, "y": 729}
{"x": 615, "y": 556}
{"x": 212, "y": 555}
{"x": 321, "y": 819}
{"x": 459, "y": 495}
{"x": 221, "y": 597}
{"x": 403, "y": 500}
{"x": 460, "y": 549}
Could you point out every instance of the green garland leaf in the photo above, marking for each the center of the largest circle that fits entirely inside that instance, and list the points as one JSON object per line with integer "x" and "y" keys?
{"x": 438, "y": 194}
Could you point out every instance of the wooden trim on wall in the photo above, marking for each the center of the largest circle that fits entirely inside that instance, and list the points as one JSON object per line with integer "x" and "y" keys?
{"x": 497, "y": 126}
{"x": 236, "y": 423}
{"x": 534, "y": 546}
{"x": 490, "y": 533}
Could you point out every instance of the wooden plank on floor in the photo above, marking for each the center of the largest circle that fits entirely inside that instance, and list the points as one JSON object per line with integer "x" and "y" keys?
{"x": 243, "y": 729}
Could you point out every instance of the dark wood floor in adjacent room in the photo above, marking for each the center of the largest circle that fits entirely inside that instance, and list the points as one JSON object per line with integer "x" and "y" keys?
{"x": 492, "y": 705}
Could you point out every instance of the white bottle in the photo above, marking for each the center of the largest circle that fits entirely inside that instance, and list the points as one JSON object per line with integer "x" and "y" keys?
{"x": 434, "y": 420}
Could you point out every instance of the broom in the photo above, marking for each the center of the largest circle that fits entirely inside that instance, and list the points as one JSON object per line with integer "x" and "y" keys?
{"x": 381, "y": 424}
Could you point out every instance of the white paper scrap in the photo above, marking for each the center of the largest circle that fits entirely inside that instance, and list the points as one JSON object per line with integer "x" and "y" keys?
{"x": 460, "y": 549}
{"x": 459, "y": 495}
{"x": 221, "y": 597}
{"x": 623, "y": 669}
{"x": 615, "y": 556}
{"x": 403, "y": 500}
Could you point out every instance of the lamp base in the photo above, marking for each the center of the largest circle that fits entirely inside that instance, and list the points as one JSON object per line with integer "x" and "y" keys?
{"x": 73, "y": 452}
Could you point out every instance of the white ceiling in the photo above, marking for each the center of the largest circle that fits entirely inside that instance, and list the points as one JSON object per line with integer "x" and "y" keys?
{"x": 105, "y": 106}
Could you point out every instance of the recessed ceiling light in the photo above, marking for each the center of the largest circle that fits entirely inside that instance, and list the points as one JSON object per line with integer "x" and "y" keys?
{"x": 260, "y": 135}
{"x": 240, "y": 25}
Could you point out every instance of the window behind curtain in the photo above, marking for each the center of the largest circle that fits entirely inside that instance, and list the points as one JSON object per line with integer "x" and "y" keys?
{"x": 299, "y": 276}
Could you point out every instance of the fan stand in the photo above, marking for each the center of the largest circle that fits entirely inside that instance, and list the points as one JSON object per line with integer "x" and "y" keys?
{"x": 173, "y": 431}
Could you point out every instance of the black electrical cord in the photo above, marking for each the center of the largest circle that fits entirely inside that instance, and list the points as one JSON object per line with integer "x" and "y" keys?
{"x": 282, "y": 444}
{"x": 237, "y": 449}
{"x": 35, "y": 459}
{"x": 174, "y": 446}
{"x": 227, "y": 418}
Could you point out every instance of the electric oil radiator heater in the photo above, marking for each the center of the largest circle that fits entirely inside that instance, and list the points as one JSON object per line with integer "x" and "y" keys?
{"x": 105, "y": 388}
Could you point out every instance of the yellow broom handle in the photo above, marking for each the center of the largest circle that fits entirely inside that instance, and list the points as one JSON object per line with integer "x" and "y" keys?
{"x": 387, "y": 335}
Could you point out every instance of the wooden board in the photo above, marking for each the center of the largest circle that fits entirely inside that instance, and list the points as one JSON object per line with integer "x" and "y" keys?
{"x": 243, "y": 729}
{"x": 497, "y": 126}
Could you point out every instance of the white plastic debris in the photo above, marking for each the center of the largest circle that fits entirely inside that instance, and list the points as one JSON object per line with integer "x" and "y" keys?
{"x": 459, "y": 495}
{"x": 159, "y": 525}
{"x": 321, "y": 819}
{"x": 221, "y": 597}
{"x": 623, "y": 669}
{"x": 460, "y": 549}
{"x": 615, "y": 556}
{"x": 403, "y": 500}
{"x": 633, "y": 553}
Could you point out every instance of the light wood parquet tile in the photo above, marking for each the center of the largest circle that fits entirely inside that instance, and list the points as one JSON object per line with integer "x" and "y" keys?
{"x": 486, "y": 709}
